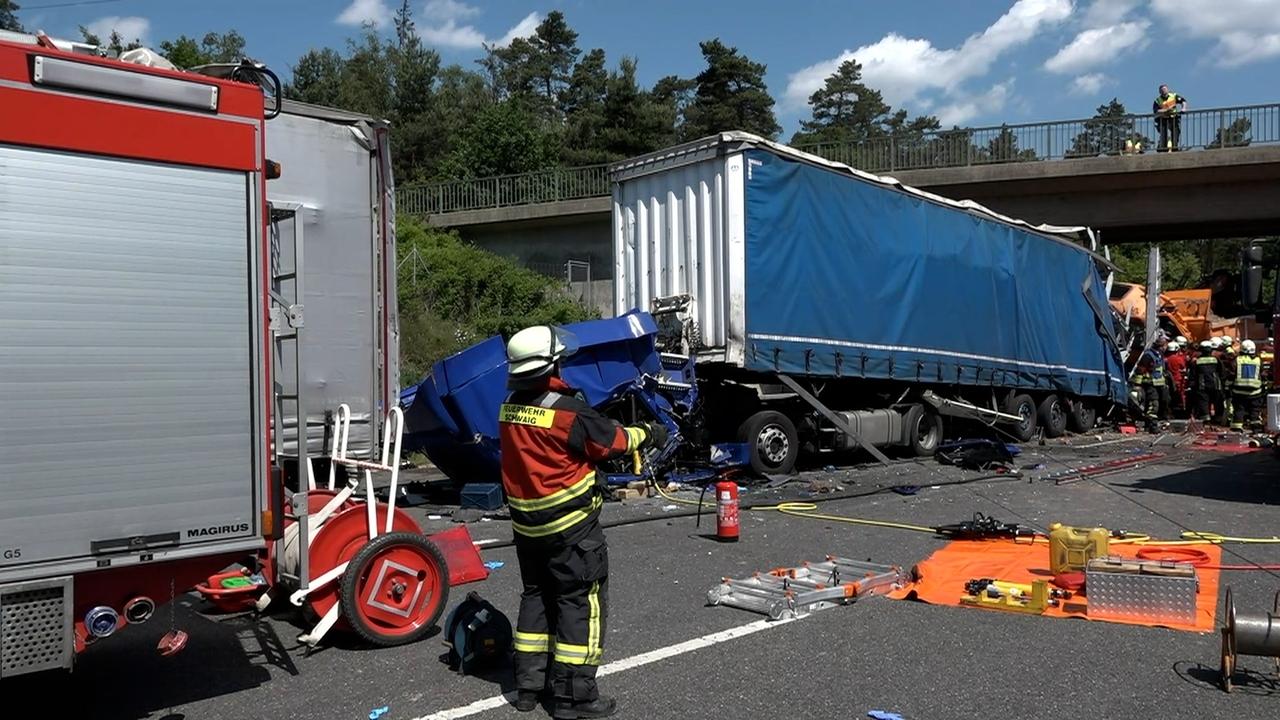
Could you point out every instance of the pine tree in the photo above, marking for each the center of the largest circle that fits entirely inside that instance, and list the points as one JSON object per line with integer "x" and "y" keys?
{"x": 1106, "y": 132}
{"x": 415, "y": 67}
{"x": 1237, "y": 134}
{"x": 317, "y": 78}
{"x": 9, "y": 16}
{"x": 1004, "y": 148}
{"x": 187, "y": 52}
{"x": 583, "y": 103}
{"x": 845, "y": 109}
{"x": 557, "y": 46}
{"x": 731, "y": 95}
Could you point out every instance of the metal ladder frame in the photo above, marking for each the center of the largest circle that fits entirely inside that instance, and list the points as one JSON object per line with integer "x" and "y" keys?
{"x": 289, "y": 313}
{"x": 802, "y": 590}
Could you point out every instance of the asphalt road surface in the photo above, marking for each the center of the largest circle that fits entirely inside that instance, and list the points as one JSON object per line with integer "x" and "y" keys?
{"x": 668, "y": 655}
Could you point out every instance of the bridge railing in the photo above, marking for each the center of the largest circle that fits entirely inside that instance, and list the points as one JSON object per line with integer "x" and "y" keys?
{"x": 542, "y": 186}
{"x": 1064, "y": 139}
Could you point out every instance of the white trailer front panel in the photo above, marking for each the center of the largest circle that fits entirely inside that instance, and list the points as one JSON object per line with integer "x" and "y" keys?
{"x": 127, "y": 365}
{"x": 678, "y": 230}
{"x": 336, "y": 166}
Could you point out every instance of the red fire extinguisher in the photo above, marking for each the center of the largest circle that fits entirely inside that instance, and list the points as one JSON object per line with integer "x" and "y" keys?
{"x": 727, "y": 511}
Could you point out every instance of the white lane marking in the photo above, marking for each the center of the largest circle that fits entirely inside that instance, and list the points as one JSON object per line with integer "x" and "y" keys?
{"x": 488, "y": 541}
{"x": 618, "y": 666}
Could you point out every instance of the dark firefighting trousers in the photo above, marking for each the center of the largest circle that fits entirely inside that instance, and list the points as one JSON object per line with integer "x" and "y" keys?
{"x": 1246, "y": 407}
{"x": 560, "y": 631}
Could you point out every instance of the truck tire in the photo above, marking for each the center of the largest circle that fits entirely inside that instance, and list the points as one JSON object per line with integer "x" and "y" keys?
{"x": 1052, "y": 415}
{"x": 923, "y": 430}
{"x": 1023, "y": 406}
{"x": 772, "y": 442}
{"x": 1082, "y": 416}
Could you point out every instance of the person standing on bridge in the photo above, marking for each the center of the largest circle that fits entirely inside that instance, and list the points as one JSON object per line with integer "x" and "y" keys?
{"x": 551, "y": 439}
{"x": 1168, "y": 108}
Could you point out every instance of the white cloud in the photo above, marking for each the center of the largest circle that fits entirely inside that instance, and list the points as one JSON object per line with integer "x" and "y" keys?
{"x": 452, "y": 35}
{"x": 1098, "y": 46}
{"x": 962, "y": 111}
{"x": 361, "y": 12}
{"x": 524, "y": 28}
{"x": 446, "y": 10}
{"x": 1089, "y": 84}
{"x": 1104, "y": 13}
{"x": 905, "y": 69}
{"x": 129, "y": 28}
{"x": 1246, "y": 30}
{"x": 441, "y": 26}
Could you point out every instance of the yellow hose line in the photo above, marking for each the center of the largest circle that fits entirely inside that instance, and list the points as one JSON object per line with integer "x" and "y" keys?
{"x": 809, "y": 510}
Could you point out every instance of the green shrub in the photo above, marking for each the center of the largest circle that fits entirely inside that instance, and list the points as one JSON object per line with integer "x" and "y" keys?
{"x": 452, "y": 295}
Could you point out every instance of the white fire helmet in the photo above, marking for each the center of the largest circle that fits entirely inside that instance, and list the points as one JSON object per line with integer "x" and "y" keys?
{"x": 534, "y": 351}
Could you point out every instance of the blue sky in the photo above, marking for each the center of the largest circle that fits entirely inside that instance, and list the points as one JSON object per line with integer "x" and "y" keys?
{"x": 972, "y": 63}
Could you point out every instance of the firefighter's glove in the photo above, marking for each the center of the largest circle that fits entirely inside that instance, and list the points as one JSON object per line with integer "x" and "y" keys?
{"x": 657, "y": 434}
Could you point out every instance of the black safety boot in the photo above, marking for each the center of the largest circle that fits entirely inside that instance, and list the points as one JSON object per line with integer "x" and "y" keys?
{"x": 526, "y": 700}
{"x": 598, "y": 708}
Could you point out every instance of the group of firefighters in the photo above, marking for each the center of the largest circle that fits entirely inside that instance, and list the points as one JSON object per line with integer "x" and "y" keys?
{"x": 1220, "y": 381}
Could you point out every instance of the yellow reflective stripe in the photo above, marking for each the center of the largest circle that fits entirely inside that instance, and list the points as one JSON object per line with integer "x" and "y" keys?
{"x": 532, "y": 642}
{"x": 556, "y": 498}
{"x": 635, "y": 438}
{"x": 558, "y": 525}
{"x": 570, "y": 654}
{"x": 594, "y": 651}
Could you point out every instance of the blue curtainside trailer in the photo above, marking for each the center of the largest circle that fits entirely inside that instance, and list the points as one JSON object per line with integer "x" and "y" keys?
{"x": 830, "y": 309}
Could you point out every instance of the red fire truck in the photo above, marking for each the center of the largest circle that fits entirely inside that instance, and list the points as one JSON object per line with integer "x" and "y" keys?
{"x": 143, "y": 303}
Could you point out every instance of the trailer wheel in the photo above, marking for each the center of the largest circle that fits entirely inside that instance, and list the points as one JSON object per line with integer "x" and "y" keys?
{"x": 1082, "y": 416}
{"x": 395, "y": 589}
{"x": 1052, "y": 414}
{"x": 1024, "y": 407}
{"x": 923, "y": 430}
{"x": 772, "y": 442}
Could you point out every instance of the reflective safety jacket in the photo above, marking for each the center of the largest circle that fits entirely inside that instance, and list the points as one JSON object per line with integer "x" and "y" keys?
{"x": 1207, "y": 375}
{"x": 551, "y": 439}
{"x": 1248, "y": 376}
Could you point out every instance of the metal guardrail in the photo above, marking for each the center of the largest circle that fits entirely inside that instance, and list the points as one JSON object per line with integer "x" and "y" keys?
{"x": 1030, "y": 142}
{"x": 554, "y": 185}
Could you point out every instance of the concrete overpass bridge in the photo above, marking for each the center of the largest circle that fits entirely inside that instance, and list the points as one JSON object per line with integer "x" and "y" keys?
{"x": 1225, "y": 183}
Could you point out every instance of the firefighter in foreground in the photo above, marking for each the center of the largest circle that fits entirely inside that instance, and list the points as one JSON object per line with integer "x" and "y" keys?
{"x": 551, "y": 439}
{"x": 1247, "y": 388}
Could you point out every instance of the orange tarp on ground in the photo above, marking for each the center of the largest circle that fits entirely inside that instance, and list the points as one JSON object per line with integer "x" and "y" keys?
{"x": 942, "y": 576}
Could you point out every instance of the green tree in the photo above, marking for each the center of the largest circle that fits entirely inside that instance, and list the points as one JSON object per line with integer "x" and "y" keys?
{"x": 317, "y": 78}
{"x": 115, "y": 43}
{"x": 501, "y": 139}
{"x": 845, "y": 109}
{"x": 452, "y": 294}
{"x": 9, "y": 16}
{"x": 557, "y": 47}
{"x": 634, "y": 120}
{"x": 187, "y": 52}
{"x": 731, "y": 95}
{"x": 583, "y": 103}
{"x": 415, "y": 65}
{"x": 367, "y": 84}
{"x": 672, "y": 96}
{"x": 1237, "y": 134}
{"x": 1106, "y": 133}
{"x": 1004, "y": 148}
